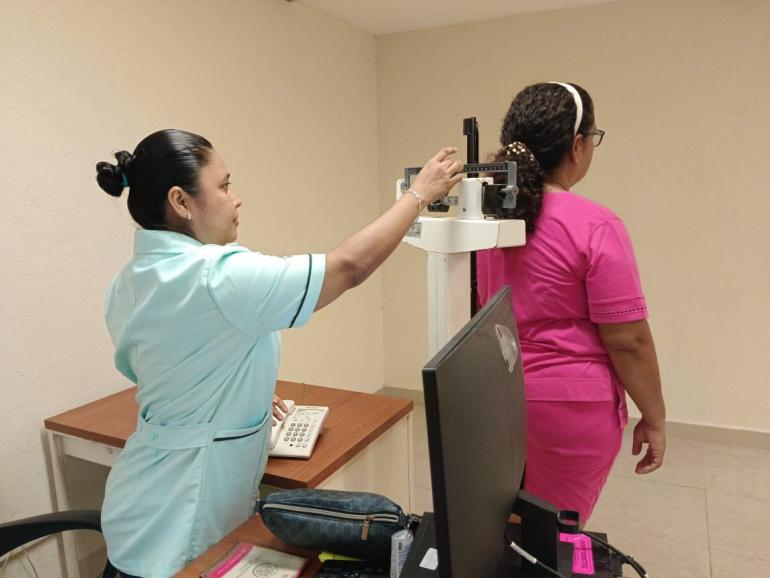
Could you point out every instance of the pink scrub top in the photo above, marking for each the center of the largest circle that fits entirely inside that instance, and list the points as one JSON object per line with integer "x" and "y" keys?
{"x": 577, "y": 270}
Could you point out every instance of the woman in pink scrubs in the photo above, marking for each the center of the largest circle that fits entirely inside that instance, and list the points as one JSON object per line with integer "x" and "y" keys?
{"x": 579, "y": 306}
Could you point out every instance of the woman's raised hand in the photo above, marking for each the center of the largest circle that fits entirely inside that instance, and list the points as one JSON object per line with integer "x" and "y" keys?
{"x": 349, "y": 264}
{"x": 438, "y": 176}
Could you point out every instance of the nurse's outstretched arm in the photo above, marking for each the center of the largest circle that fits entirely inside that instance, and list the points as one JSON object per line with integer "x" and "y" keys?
{"x": 351, "y": 263}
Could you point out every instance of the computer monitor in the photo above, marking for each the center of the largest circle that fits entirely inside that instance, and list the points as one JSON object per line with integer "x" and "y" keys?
{"x": 476, "y": 421}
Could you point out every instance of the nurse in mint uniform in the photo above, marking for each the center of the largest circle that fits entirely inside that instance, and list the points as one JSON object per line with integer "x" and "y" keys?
{"x": 581, "y": 313}
{"x": 195, "y": 320}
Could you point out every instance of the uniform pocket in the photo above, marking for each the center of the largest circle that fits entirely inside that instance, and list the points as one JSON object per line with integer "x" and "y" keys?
{"x": 234, "y": 434}
{"x": 150, "y": 506}
{"x": 234, "y": 469}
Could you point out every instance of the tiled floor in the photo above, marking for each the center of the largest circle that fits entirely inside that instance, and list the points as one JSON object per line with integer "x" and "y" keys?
{"x": 705, "y": 514}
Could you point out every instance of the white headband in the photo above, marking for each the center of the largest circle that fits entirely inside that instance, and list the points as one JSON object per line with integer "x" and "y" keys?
{"x": 578, "y": 102}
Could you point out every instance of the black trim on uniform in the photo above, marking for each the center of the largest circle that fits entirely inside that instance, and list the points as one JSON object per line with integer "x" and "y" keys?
{"x": 307, "y": 286}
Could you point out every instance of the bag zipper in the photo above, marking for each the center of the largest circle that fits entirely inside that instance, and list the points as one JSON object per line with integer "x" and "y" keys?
{"x": 367, "y": 519}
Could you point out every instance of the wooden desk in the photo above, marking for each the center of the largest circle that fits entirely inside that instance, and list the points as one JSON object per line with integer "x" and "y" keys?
{"x": 365, "y": 445}
{"x": 254, "y": 532}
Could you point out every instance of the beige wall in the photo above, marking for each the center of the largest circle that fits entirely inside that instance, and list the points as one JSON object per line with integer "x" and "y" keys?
{"x": 680, "y": 87}
{"x": 288, "y": 96}
{"x": 682, "y": 90}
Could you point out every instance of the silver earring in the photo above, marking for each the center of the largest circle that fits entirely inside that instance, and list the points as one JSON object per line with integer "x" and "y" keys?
{"x": 189, "y": 216}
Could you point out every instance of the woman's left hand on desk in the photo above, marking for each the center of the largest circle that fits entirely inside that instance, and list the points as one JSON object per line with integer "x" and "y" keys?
{"x": 279, "y": 409}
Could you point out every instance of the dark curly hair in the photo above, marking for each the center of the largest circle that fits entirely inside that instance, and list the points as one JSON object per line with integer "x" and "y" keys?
{"x": 542, "y": 117}
{"x": 162, "y": 160}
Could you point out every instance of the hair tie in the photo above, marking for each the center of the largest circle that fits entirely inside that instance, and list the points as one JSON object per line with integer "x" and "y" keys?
{"x": 578, "y": 103}
{"x": 518, "y": 147}
{"x": 124, "y": 183}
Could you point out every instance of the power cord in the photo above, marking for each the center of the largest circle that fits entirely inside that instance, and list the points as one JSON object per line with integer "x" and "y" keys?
{"x": 623, "y": 556}
{"x": 532, "y": 560}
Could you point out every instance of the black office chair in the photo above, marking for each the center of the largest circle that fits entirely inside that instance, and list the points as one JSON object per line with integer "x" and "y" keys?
{"x": 20, "y": 532}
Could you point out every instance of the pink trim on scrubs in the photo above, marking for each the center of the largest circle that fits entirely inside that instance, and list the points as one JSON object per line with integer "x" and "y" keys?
{"x": 577, "y": 270}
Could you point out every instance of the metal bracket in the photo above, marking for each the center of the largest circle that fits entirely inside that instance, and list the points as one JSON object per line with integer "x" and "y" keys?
{"x": 507, "y": 191}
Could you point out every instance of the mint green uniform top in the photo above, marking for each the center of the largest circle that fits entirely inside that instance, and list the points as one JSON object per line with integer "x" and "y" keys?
{"x": 196, "y": 327}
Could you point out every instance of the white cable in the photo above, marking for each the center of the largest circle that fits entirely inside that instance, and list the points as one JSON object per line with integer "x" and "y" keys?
{"x": 523, "y": 553}
{"x": 534, "y": 561}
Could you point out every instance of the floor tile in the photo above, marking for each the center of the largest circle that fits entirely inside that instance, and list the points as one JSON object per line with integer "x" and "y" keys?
{"x": 739, "y": 525}
{"x": 661, "y": 557}
{"x": 418, "y": 414}
{"x": 683, "y": 463}
{"x": 421, "y": 459}
{"x": 421, "y": 470}
{"x": 659, "y": 509}
{"x": 420, "y": 440}
{"x": 422, "y": 500}
{"x": 738, "y": 471}
{"x": 730, "y": 565}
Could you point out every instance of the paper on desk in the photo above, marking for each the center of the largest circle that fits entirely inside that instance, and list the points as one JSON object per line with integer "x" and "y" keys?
{"x": 248, "y": 560}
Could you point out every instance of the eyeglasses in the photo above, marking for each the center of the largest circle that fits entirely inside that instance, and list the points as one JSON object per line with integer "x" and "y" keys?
{"x": 596, "y": 137}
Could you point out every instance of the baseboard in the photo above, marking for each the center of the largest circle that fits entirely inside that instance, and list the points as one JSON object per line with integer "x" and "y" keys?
{"x": 679, "y": 430}
{"x": 715, "y": 434}
{"x": 413, "y": 395}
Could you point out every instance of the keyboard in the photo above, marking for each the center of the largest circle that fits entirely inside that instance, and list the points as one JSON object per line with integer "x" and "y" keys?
{"x": 353, "y": 569}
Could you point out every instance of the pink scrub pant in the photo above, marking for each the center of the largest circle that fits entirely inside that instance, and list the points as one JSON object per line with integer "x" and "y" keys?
{"x": 571, "y": 446}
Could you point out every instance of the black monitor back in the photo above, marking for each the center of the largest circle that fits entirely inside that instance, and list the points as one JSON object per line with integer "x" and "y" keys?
{"x": 475, "y": 411}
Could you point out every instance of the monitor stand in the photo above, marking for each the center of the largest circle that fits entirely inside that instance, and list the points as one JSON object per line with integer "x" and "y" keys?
{"x": 537, "y": 520}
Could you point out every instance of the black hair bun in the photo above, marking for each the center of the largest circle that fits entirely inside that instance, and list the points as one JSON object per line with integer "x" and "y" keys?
{"x": 114, "y": 178}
